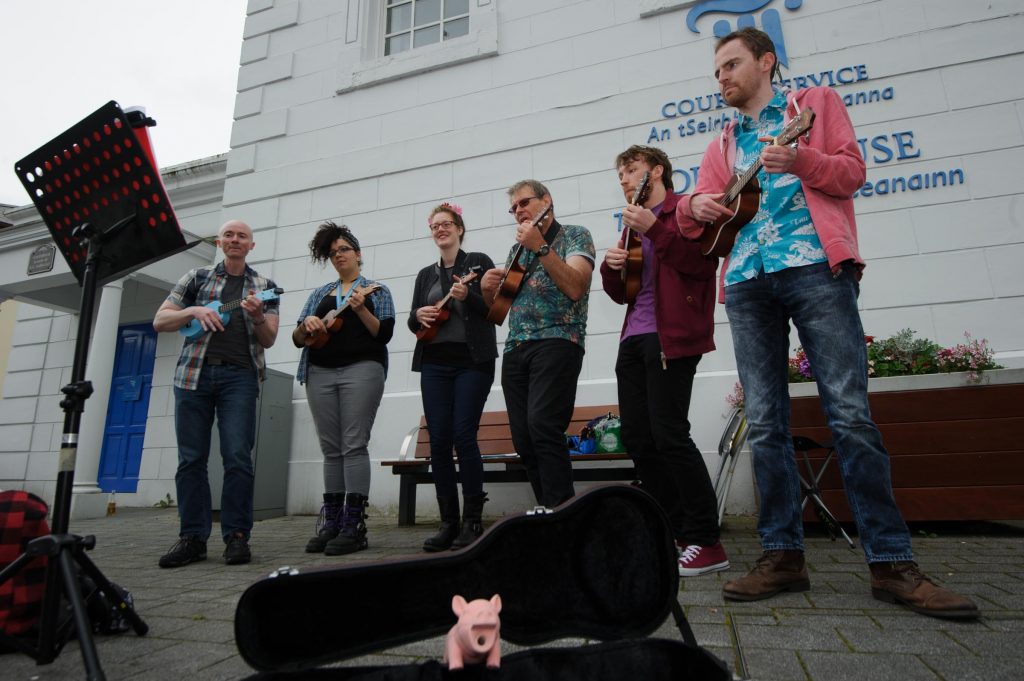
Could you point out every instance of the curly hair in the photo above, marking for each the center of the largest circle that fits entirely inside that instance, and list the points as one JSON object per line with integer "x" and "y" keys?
{"x": 652, "y": 156}
{"x": 456, "y": 214}
{"x": 326, "y": 234}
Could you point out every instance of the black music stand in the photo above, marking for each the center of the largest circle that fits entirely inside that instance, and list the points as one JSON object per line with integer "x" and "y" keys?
{"x": 98, "y": 189}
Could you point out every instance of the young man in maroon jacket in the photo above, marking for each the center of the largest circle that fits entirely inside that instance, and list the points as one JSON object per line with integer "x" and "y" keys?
{"x": 667, "y": 329}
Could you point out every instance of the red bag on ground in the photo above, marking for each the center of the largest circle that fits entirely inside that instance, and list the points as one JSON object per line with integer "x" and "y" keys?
{"x": 22, "y": 519}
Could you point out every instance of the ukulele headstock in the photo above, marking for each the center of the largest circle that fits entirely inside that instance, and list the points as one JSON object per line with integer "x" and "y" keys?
{"x": 795, "y": 128}
{"x": 643, "y": 190}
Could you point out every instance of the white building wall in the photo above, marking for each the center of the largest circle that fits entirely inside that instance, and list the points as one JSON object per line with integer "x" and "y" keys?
{"x": 562, "y": 88}
{"x": 554, "y": 89}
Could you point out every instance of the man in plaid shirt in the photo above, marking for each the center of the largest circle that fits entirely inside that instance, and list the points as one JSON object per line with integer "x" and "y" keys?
{"x": 219, "y": 372}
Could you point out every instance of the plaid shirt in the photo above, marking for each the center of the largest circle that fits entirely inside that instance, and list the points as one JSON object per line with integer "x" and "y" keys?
{"x": 201, "y": 286}
{"x": 383, "y": 305}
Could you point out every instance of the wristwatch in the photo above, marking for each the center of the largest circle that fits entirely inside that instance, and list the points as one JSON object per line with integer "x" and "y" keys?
{"x": 543, "y": 250}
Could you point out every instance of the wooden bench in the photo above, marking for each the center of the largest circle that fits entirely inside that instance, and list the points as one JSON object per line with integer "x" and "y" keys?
{"x": 501, "y": 463}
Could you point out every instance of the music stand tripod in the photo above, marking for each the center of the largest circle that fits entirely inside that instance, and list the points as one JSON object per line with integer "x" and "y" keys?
{"x": 100, "y": 171}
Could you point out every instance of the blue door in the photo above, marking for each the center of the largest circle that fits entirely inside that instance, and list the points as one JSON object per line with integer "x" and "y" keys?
{"x": 128, "y": 409}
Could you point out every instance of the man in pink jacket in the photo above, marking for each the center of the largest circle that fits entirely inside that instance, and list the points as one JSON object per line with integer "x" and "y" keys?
{"x": 797, "y": 261}
{"x": 667, "y": 329}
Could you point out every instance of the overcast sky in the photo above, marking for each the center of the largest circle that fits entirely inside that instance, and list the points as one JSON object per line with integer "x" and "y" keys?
{"x": 60, "y": 60}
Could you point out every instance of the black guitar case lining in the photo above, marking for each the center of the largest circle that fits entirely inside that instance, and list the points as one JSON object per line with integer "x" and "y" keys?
{"x": 601, "y": 566}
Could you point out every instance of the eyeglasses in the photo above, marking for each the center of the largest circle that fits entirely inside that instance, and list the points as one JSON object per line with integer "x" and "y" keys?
{"x": 446, "y": 224}
{"x": 343, "y": 251}
{"x": 521, "y": 204}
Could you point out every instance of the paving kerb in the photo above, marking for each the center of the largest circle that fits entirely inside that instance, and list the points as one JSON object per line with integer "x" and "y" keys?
{"x": 836, "y": 631}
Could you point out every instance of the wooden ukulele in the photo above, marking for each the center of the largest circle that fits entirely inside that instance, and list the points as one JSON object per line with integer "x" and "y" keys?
{"x": 333, "y": 322}
{"x": 632, "y": 270}
{"x": 511, "y": 282}
{"x": 193, "y": 330}
{"x": 427, "y": 333}
{"x": 743, "y": 194}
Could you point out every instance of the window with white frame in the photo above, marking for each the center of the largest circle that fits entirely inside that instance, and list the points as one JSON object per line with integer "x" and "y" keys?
{"x": 400, "y": 38}
{"x": 414, "y": 23}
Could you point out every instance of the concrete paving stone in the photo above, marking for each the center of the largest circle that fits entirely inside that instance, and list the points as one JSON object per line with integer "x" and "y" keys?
{"x": 182, "y": 660}
{"x": 803, "y": 637}
{"x": 130, "y": 543}
{"x": 911, "y": 621}
{"x": 858, "y": 600}
{"x": 217, "y": 611}
{"x": 814, "y": 618}
{"x": 1005, "y": 622}
{"x": 879, "y": 641}
{"x": 712, "y": 635}
{"x": 776, "y": 665}
{"x": 968, "y": 668}
{"x": 205, "y": 631}
{"x": 700, "y": 614}
{"x": 1004, "y": 580}
{"x": 854, "y": 667}
{"x": 1013, "y": 602}
{"x": 227, "y": 670}
{"x": 997, "y": 643}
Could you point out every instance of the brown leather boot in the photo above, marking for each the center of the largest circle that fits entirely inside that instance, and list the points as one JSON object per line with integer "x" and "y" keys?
{"x": 773, "y": 572}
{"x": 904, "y": 583}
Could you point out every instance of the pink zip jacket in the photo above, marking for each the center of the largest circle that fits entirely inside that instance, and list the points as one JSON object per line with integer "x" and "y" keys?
{"x": 828, "y": 164}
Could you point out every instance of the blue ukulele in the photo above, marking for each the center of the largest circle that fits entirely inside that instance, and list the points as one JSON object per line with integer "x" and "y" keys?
{"x": 194, "y": 329}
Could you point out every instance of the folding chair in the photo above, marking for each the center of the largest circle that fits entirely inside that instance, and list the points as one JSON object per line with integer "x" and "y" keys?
{"x": 812, "y": 491}
{"x": 729, "y": 447}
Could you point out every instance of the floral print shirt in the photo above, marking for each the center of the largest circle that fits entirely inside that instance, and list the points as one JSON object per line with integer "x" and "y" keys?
{"x": 781, "y": 234}
{"x": 541, "y": 310}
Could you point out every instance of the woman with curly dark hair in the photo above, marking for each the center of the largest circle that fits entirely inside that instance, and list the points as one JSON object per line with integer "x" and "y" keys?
{"x": 343, "y": 331}
{"x": 455, "y": 359}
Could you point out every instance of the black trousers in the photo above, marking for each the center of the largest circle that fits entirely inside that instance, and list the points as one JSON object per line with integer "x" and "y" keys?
{"x": 539, "y": 382}
{"x": 654, "y": 403}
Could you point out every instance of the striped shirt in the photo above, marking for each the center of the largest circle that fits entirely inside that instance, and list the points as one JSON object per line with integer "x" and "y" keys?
{"x": 201, "y": 286}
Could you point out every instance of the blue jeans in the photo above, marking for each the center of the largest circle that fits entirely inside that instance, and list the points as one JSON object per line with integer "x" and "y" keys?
{"x": 453, "y": 399}
{"x": 823, "y": 308}
{"x": 230, "y": 393}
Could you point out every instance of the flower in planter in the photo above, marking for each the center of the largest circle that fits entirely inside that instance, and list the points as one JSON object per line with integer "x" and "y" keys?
{"x": 901, "y": 355}
{"x": 735, "y": 399}
{"x": 974, "y": 356}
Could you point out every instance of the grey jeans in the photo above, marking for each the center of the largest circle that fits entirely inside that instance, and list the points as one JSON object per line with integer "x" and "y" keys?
{"x": 344, "y": 402}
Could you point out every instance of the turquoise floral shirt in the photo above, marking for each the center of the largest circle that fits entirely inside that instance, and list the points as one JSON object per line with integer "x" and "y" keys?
{"x": 781, "y": 234}
{"x": 541, "y": 310}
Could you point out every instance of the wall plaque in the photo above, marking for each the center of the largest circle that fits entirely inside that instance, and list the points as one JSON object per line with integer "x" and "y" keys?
{"x": 41, "y": 259}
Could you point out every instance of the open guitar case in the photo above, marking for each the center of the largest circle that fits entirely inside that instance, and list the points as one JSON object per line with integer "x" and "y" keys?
{"x": 601, "y": 566}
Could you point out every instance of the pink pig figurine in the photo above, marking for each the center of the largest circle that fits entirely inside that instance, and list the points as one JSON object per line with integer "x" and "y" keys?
{"x": 474, "y": 638}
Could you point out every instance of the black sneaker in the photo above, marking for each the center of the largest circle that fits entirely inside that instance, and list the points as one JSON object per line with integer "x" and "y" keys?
{"x": 187, "y": 550}
{"x": 237, "y": 551}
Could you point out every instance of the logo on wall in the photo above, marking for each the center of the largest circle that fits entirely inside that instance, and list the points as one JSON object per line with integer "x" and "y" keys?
{"x": 771, "y": 22}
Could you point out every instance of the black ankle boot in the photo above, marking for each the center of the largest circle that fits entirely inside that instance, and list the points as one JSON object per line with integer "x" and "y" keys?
{"x": 449, "y": 530}
{"x": 329, "y": 523}
{"x": 472, "y": 526}
{"x": 352, "y": 536}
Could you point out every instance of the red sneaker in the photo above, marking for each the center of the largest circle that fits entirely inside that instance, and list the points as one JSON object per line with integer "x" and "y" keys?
{"x": 702, "y": 560}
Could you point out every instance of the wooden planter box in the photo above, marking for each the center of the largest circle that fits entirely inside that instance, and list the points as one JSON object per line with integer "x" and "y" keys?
{"x": 957, "y": 449}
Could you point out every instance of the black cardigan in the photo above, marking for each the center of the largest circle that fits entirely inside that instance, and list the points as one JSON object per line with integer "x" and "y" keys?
{"x": 480, "y": 333}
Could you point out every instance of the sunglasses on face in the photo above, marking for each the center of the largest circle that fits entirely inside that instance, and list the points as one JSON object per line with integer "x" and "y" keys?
{"x": 344, "y": 250}
{"x": 521, "y": 204}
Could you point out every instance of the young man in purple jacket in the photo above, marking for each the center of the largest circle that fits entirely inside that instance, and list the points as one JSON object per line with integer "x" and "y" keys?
{"x": 667, "y": 329}
{"x": 797, "y": 261}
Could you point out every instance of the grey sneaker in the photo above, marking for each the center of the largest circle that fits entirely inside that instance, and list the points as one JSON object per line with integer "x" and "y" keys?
{"x": 187, "y": 550}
